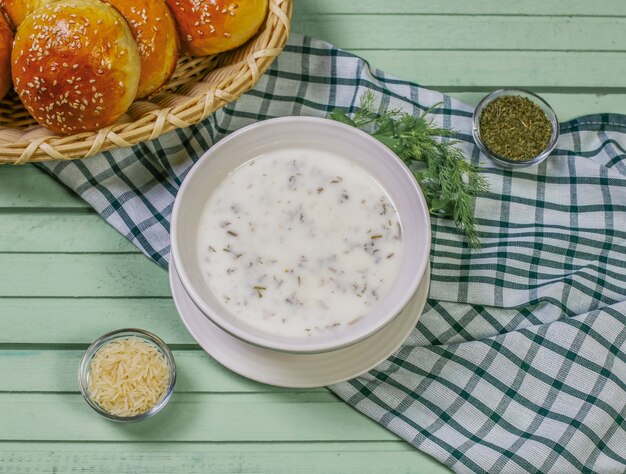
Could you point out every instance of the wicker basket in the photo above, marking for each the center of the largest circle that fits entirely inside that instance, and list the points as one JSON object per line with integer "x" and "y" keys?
{"x": 198, "y": 88}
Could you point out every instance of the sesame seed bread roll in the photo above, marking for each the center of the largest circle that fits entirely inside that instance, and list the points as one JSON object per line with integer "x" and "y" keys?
{"x": 154, "y": 29}
{"x": 213, "y": 26}
{"x": 17, "y": 10}
{"x": 75, "y": 65}
{"x": 6, "y": 40}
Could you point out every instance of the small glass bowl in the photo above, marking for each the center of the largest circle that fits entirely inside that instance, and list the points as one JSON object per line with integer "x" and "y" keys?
{"x": 85, "y": 364}
{"x": 507, "y": 162}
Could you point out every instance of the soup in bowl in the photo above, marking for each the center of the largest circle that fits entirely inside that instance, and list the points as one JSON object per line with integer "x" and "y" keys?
{"x": 300, "y": 234}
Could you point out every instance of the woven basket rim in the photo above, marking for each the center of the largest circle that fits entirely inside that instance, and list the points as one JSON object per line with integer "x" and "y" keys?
{"x": 192, "y": 101}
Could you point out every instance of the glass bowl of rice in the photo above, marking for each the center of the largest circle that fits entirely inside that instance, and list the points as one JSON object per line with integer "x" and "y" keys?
{"x": 127, "y": 375}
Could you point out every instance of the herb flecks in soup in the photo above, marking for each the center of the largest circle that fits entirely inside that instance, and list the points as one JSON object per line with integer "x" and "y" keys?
{"x": 297, "y": 244}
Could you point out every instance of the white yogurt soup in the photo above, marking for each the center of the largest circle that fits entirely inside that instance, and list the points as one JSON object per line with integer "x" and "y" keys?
{"x": 298, "y": 243}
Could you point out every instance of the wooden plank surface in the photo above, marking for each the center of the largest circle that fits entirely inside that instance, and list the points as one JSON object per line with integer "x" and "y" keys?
{"x": 81, "y": 275}
{"x": 55, "y": 369}
{"x": 31, "y": 320}
{"x": 35, "y": 320}
{"x": 182, "y": 458}
{"x": 573, "y": 53}
{"x": 531, "y": 69}
{"x": 229, "y": 417}
{"x": 505, "y": 8}
{"x": 67, "y": 277}
{"x": 47, "y": 232}
{"x": 25, "y": 187}
{"x": 463, "y": 32}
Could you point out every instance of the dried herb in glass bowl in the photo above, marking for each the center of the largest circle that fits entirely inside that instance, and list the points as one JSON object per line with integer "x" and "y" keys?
{"x": 515, "y": 128}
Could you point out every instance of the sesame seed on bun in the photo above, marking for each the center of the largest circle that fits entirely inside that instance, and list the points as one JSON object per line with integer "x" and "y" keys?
{"x": 17, "y": 10}
{"x": 213, "y": 26}
{"x": 75, "y": 65}
{"x": 154, "y": 29}
{"x": 6, "y": 40}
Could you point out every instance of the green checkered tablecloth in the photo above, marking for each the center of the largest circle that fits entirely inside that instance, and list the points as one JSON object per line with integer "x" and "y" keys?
{"x": 518, "y": 362}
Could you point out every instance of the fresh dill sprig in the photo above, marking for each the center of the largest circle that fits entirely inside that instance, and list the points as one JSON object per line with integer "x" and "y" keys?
{"x": 448, "y": 181}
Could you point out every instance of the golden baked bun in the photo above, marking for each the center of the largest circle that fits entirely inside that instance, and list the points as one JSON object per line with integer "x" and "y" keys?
{"x": 75, "y": 65}
{"x": 213, "y": 26}
{"x": 6, "y": 40}
{"x": 154, "y": 29}
{"x": 17, "y": 10}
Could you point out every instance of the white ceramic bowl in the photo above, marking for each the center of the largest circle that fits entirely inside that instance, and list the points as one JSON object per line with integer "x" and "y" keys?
{"x": 315, "y": 133}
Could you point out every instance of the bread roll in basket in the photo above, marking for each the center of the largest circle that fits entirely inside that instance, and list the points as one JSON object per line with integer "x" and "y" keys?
{"x": 198, "y": 87}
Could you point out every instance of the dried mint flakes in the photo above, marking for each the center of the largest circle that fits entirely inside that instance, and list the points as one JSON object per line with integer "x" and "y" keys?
{"x": 514, "y": 127}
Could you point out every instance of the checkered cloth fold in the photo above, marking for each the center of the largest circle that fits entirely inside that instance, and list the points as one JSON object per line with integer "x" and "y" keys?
{"x": 518, "y": 362}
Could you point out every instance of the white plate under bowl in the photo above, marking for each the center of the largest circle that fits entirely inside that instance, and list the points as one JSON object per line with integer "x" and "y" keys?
{"x": 291, "y": 369}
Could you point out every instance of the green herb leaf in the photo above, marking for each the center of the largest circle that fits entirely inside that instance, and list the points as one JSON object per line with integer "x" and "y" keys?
{"x": 340, "y": 116}
{"x": 442, "y": 207}
{"x": 448, "y": 181}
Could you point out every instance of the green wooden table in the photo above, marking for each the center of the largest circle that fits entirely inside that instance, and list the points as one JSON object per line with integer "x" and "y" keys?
{"x": 66, "y": 277}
